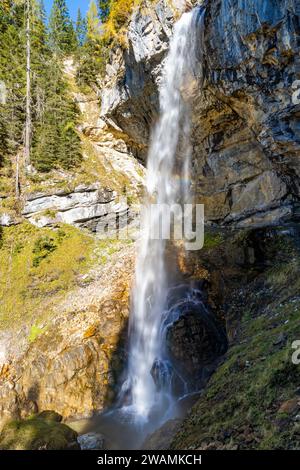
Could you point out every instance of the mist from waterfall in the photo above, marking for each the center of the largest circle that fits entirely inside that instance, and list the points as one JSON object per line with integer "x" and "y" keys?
{"x": 168, "y": 183}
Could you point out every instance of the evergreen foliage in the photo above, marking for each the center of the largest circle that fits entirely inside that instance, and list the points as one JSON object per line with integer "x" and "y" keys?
{"x": 93, "y": 54}
{"x": 81, "y": 29}
{"x": 55, "y": 142}
{"x": 62, "y": 33}
{"x": 104, "y": 9}
{"x": 12, "y": 76}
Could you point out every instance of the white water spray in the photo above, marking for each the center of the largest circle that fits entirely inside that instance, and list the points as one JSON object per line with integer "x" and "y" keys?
{"x": 168, "y": 183}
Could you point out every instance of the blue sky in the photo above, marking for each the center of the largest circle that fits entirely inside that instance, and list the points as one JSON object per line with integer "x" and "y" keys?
{"x": 73, "y": 6}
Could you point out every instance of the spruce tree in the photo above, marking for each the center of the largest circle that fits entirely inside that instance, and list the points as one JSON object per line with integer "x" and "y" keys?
{"x": 104, "y": 8}
{"x": 81, "y": 29}
{"x": 62, "y": 34}
{"x": 93, "y": 55}
{"x": 12, "y": 75}
{"x": 39, "y": 28}
{"x": 56, "y": 142}
{"x": 93, "y": 22}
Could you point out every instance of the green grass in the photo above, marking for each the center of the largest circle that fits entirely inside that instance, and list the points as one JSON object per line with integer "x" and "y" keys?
{"x": 39, "y": 266}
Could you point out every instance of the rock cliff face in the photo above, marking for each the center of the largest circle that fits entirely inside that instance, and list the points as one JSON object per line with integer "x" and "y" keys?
{"x": 130, "y": 92}
{"x": 73, "y": 365}
{"x": 87, "y": 206}
{"x": 246, "y": 135}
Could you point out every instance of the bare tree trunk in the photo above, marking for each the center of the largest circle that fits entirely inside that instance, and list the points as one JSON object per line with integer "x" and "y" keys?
{"x": 28, "y": 91}
{"x": 18, "y": 176}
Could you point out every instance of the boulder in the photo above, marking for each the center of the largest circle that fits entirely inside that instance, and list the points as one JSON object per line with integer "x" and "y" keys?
{"x": 6, "y": 220}
{"x": 91, "y": 441}
{"x": 38, "y": 433}
{"x": 195, "y": 341}
{"x": 51, "y": 416}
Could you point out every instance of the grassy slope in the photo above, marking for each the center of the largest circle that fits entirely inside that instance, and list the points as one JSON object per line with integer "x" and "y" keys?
{"x": 39, "y": 266}
{"x": 241, "y": 406}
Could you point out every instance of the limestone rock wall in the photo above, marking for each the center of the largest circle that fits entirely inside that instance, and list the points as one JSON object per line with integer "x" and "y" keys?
{"x": 86, "y": 206}
{"x": 246, "y": 135}
{"x": 129, "y": 95}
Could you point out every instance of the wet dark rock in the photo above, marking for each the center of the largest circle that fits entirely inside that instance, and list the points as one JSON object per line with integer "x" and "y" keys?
{"x": 162, "y": 437}
{"x": 187, "y": 402}
{"x": 195, "y": 342}
{"x": 91, "y": 441}
{"x": 164, "y": 376}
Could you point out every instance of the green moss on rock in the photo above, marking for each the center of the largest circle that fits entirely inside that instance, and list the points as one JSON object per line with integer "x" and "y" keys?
{"x": 40, "y": 432}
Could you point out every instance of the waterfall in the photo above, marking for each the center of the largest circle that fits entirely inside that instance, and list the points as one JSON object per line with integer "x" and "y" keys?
{"x": 168, "y": 183}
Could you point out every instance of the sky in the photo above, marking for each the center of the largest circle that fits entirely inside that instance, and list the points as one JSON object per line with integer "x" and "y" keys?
{"x": 73, "y": 6}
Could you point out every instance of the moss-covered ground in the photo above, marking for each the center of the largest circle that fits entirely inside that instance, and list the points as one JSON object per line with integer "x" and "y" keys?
{"x": 253, "y": 399}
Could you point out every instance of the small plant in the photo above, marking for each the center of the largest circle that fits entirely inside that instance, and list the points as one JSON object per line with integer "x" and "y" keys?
{"x": 42, "y": 248}
{"x": 18, "y": 248}
{"x": 50, "y": 213}
{"x": 212, "y": 240}
{"x": 35, "y": 332}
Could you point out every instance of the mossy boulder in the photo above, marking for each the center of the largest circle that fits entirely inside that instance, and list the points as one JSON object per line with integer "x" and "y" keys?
{"x": 50, "y": 416}
{"x": 40, "y": 432}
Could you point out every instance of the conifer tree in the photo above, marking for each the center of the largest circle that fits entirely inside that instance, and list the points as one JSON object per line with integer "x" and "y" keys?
{"x": 81, "y": 29}
{"x": 93, "y": 22}
{"x": 28, "y": 118}
{"x": 54, "y": 140}
{"x": 39, "y": 28}
{"x": 12, "y": 75}
{"x": 104, "y": 8}
{"x": 93, "y": 55}
{"x": 62, "y": 34}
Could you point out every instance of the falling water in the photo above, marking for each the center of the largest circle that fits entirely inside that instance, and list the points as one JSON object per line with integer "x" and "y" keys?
{"x": 168, "y": 183}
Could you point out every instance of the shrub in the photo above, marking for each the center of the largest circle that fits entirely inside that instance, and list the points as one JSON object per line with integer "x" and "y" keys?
{"x": 42, "y": 248}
